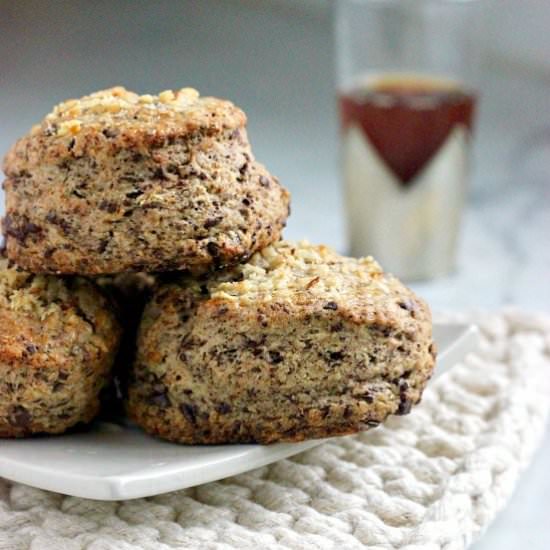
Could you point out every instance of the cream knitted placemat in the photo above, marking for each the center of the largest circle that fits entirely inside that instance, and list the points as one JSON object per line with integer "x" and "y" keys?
{"x": 430, "y": 480}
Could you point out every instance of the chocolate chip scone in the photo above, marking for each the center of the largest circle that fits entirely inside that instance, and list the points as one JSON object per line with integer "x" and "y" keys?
{"x": 116, "y": 182}
{"x": 298, "y": 343}
{"x": 57, "y": 345}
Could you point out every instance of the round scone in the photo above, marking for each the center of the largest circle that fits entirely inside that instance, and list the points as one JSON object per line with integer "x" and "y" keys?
{"x": 116, "y": 182}
{"x": 57, "y": 345}
{"x": 298, "y": 343}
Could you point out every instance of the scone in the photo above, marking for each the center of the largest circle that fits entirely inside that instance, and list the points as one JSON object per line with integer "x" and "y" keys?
{"x": 57, "y": 345}
{"x": 298, "y": 343}
{"x": 116, "y": 182}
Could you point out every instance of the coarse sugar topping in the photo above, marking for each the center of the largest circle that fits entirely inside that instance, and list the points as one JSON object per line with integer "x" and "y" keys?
{"x": 286, "y": 269}
{"x": 42, "y": 295}
{"x": 117, "y": 109}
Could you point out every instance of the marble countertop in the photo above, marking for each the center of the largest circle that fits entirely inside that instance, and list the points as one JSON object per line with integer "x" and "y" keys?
{"x": 503, "y": 257}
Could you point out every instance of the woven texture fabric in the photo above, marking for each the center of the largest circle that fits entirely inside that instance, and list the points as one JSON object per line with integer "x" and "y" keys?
{"x": 430, "y": 480}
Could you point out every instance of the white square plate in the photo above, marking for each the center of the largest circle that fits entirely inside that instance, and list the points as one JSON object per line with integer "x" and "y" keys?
{"x": 115, "y": 461}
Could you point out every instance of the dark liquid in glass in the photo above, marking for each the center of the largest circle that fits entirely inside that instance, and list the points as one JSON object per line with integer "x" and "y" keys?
{"x": 407, "y": 120}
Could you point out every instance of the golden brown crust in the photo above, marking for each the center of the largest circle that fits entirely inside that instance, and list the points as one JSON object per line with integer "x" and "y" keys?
{"x": 57, "y": 346}
{"x": 154, "y": 186}
{"x": 115, "y": 119}
{"x": 298, "y": 343}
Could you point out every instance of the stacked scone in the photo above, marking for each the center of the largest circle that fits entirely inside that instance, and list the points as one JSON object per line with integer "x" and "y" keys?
{"x": 117, "y": 199}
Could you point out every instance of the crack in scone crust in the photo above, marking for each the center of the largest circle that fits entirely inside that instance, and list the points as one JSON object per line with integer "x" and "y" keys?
{"x": 298, "y": 343}
{"x": 116, "y": 182}
{"x": 57, "y": 346}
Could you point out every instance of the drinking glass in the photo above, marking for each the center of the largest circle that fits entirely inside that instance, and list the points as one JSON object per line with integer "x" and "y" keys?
{"x": 407, "y": 80}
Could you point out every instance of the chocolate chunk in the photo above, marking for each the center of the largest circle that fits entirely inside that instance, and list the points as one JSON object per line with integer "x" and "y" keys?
{"x": 331, "y": 305}
{"x": 213, "y": 249}
{"x": 224, "y": 408}
{"x": 53, "y": 218}
{"x": 211, "y": 222}
{"x": 275, "y": 357}
{"x": 71, "y": 144}
{"x": 110, "y": 132}
{"x": 151, "y": 205}
{"x": 189, "y": 412}
{"x": 30, "y": 348}
{"x": 108, "y": 206}
{"x": 159, "y": 395}
{"x": 186, "y": 344}
{"x": 20, "y": 231}
{"x": 246, "y": 201}
{"x": 368, "y": 397}
{"x": 160, "y": 400}
{"x": 337, "y": 327}
{"x": 383, "y": 330}
{"x": 103, "y": 245}
{"x": 405, "y": 404}
{"x": 134, "y": 194}
{"x": 336, "y": 355}
{"x": 408, "y": 305}
{"x": 19, "y": 417}
{"x": 254, "y": 344}
{"x": 404, "y": 407}
{"x": 159, "y": 174}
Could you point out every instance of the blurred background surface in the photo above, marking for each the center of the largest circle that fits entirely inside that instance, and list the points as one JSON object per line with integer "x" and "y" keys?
{"x": 275, "y": 59}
